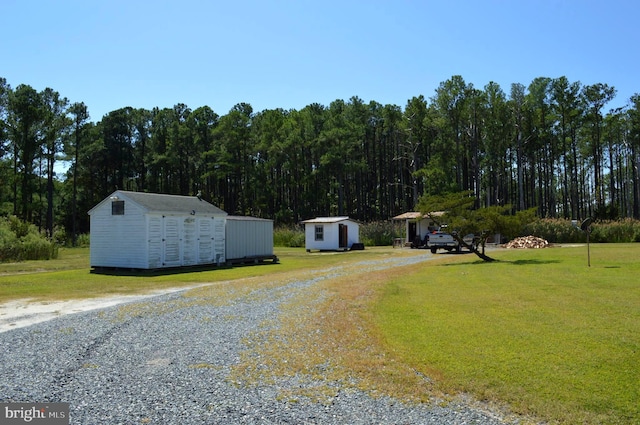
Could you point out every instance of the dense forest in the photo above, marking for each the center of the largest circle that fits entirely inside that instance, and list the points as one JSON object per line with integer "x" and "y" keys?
{"x": 552, "y": 145}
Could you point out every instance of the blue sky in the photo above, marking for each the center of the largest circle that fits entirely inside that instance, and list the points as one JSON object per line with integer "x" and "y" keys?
{"x": 288, "y": 54}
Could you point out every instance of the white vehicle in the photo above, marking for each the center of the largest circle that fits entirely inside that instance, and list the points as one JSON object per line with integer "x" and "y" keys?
{"x": 441, "y": 239}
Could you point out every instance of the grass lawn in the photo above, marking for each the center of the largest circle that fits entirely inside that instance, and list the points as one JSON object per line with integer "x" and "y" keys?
{"x": 538, "y": 329}
{"x": 536, "y": 332}
{"x": 70, "y": 277}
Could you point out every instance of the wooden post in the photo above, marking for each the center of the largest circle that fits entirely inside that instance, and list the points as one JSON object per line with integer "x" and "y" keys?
{"x": 586, "y": 227}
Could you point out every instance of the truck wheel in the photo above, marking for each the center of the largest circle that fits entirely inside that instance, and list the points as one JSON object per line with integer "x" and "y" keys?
{"x": 433, "y": 250}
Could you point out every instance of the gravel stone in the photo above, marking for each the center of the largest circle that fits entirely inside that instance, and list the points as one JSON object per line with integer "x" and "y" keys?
{"x": 168, "y": 361}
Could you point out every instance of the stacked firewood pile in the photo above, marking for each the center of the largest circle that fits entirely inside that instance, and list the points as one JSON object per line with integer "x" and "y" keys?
{"x": 527, "y": 242}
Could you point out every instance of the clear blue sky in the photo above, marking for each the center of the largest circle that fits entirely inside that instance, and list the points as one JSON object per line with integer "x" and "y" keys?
{"x": 290, "y": 53}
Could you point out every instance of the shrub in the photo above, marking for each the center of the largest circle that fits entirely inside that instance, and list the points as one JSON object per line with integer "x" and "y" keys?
{"x": 60, "y": 236}
{"x": 21, "y": 241}
{"x": 379, "y": 233}
{"x": 290, "y": 236}
{"x": 564, "y": 231}
{"x": 555, "y": 231}
{"x": 83, "y": 240}
{"x": 8, "y": 242}
{"x": 36, "y": 247}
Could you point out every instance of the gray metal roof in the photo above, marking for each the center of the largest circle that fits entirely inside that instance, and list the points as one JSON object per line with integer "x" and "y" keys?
{"x": 246, "y": 218}
{"x": 161, "y": 203}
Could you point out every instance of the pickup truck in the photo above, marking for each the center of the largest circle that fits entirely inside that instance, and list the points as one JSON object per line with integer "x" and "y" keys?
{"x": 441, "y": 239}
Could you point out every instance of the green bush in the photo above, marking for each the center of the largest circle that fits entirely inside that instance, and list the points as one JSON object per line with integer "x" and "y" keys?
{"x": 60, "y": 236}
{"x": 83, "y": 240}
{"x": 625, "y": 230}
{"x": 379, "y": 233}
{"x": 555, "y": 231}
{"x": 20, "y": 241}
{"x": 564, "y": 231}
{"x": 8, "y": 242}
{"x": 36, "y": 247}
{"x": 291, "y": 236}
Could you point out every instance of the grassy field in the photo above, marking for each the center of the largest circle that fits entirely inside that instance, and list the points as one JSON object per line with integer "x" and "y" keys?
{"x": 70, "y": 277}
{"x": 538, "y": 330}
{"x": 536, "y": 333}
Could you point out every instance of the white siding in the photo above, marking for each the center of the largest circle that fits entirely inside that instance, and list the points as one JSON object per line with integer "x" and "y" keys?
{"x": 354, "y": 233}
{"x": 148, "y": 239}
{"x": 331, "y": 240}
{"x": 248, "y": 237}
{"x": 118, "y": 240}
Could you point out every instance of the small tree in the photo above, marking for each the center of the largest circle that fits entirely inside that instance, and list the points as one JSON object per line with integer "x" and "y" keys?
{"x": 458, "y": 212}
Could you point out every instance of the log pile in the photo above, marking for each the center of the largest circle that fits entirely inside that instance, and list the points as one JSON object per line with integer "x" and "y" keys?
{"x": 527, "y": 242}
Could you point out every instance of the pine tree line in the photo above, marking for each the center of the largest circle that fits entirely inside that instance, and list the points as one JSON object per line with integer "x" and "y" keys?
{"x": 552, "y": 145}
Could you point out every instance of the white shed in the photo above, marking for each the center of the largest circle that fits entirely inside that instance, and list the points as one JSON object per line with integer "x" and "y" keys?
{"x": 331, "y": 233}
{"x": 149, "y": 231}
{"x": 249, "y": 239}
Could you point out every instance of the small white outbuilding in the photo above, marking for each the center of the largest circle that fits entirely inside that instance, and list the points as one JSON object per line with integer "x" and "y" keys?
{"x": 331, "y": 233}
{"x": 139, "y": 230}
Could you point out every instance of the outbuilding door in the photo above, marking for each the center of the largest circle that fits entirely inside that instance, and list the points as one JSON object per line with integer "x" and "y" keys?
{"x": 189, "y": 242}
{"x": 171, "y": 242}
{"x": 343, "y": 236}
{"x": 413, "y": 231}
{"x": 219, "y": 234}
{"x": 155, "y": 242}
{"x": 205, "y": 240}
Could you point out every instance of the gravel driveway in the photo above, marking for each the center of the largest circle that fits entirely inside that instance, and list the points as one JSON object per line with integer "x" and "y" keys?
{"x": 168, "y": 360}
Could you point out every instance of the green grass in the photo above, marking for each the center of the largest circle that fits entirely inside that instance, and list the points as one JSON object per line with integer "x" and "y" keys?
{"x": 70, "y": 277}
{"x": 538, "y": 330}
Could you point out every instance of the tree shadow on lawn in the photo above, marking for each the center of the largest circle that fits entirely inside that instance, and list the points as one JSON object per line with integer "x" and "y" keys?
{"x": 530, "y": 262}
{"x": 527, "y": 262}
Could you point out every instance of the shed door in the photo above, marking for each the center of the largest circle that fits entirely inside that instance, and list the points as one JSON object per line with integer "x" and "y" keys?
{"x": 343, "y": 236}
{"x": 413, "y": 231}
{"x": 205, "y": 240}
{"x": 189, "y": 242}
{"x": 171, "y": 242}
{"x": 219, "y": 225}
{"x": 155, "y": 242}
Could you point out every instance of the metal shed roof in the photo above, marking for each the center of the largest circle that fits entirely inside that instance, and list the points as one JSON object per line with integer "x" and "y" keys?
{"x": 413, "y": 215}
{"x": 408, "y": 215}
{"x": 325, "y": 220}
{"x": 246, "y": 218}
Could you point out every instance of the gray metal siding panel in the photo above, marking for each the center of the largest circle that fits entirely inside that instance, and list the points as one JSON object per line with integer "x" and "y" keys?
{"x": 249, "y": 238}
